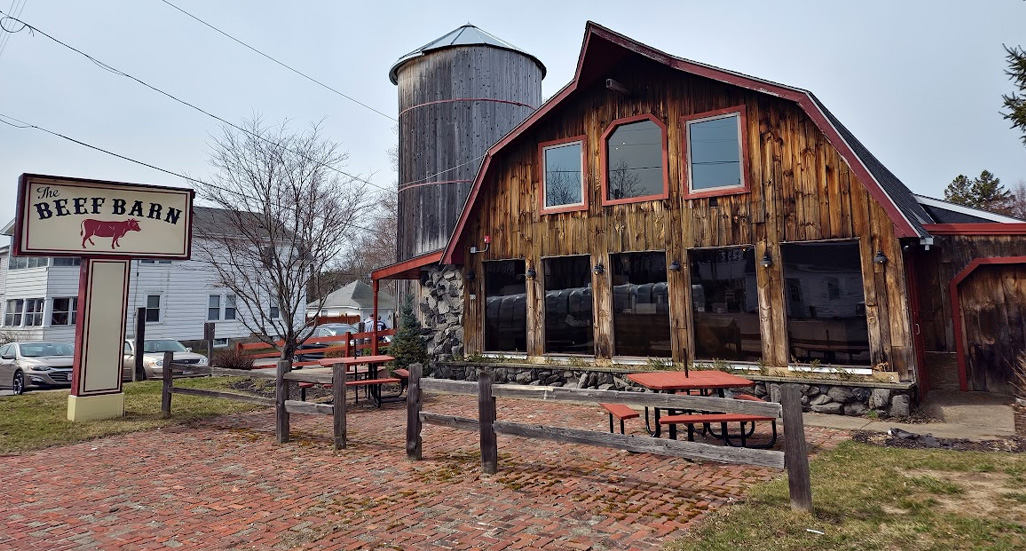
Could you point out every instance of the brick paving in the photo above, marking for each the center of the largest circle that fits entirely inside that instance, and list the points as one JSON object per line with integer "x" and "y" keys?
{"x": 224, "y": 484}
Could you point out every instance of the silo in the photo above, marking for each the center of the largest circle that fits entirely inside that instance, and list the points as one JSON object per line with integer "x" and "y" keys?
{"x": 457, "y": 96}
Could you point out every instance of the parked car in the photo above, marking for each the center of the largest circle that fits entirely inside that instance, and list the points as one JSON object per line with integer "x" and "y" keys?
{"x": 25, "y": 365}
{"x": 153, "y": 357}
{"x": 326, "y": 330}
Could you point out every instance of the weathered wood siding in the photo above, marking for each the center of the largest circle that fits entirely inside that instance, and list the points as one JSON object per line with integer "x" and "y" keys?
{"x": 801, "y": 190}
{"x": 441, "y": 140}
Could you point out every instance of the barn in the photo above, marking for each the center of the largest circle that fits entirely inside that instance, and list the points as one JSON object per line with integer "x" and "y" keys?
{"x": 657, "y": 208}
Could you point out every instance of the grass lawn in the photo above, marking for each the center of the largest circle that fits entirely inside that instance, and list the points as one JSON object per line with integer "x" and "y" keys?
{"x": 871, "y": 498}
{"x": 38, "y": 420}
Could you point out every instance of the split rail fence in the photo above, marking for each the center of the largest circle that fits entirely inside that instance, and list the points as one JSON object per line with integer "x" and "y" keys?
{"x": 794, "y": 457}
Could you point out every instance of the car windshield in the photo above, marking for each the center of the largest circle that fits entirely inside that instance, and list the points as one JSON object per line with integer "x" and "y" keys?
{"x": 39, "y": 349}
{"x": 163, "y": 346}
{"x": 335, "y": 330}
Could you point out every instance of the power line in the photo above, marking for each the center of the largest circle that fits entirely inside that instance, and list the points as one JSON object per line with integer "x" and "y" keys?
{"x": 118, "y": 72}
{"x": 21, "y": 125}
{"x": 15, "y": 10}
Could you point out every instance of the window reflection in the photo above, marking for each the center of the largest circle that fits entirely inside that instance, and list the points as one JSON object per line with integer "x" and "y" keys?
{"x": 505, "y": 306}
{"x": 725, "y": 304}
{"x": 568, "y": 305}
{"x": 634, "y": 154}
{"x": 563, "y": 175}
{"x": 826, "y": 308}
{"x": 714, "y": 152}
{"x": 641, "y": 310}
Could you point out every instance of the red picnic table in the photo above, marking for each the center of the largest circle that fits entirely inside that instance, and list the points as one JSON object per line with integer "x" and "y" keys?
{"x": 371, "y": 381}
{"x": 705, "y": 382}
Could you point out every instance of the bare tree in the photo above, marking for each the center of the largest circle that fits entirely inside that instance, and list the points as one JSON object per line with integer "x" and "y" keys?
{"x": 287, "y": 212}
{"x": 1017, "y": 207}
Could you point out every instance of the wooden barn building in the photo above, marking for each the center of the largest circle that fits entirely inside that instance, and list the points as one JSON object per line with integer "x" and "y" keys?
{"x": 657, "y": 207}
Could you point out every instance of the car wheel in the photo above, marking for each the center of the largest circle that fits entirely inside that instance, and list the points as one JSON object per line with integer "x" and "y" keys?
{"x": 18, "y": 384}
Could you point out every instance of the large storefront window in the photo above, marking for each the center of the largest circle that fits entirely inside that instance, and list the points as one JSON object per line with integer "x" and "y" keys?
{"x": 826, "y": 305}
{"x": 568, "y": 305}
{"x": 505, "y": 306}
{"x": 725, "y": 312}
{"x": 641, "y": 310}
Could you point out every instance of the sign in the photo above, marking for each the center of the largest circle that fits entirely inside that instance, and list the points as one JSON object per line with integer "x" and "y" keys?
{"x": 77, "y": 217}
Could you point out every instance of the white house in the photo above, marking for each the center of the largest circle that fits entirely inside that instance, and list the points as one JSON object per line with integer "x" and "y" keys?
{"x": 40, "y": 297}
{"x": 355, "y": 300}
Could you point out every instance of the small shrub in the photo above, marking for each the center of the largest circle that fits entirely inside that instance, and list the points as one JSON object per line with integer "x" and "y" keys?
{"x": 232, "y": 358}
{"x": 408, "y": 346}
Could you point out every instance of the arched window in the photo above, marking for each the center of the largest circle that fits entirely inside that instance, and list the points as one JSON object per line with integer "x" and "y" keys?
{"x": 634, "y": 160}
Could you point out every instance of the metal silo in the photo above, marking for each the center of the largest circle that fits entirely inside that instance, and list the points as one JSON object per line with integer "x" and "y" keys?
{"x": 457, "y": 96}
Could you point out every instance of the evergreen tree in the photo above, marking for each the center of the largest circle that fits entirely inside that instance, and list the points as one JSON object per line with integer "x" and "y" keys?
{"x": 408, "y": 346}
{"x": 983, "y": 192}
{"x": 1016, "y": 104}
{"x": 959, "y": 191}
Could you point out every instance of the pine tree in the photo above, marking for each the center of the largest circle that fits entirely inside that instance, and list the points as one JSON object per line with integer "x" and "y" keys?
{"x": 959, "y": 191}
{"x": 989, "y": 194}
{"x": 408, "y": 346}
{"x": 1016, "y": 104}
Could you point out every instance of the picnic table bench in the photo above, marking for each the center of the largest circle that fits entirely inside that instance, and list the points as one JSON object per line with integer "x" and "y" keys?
{"x": 371, "y": 381}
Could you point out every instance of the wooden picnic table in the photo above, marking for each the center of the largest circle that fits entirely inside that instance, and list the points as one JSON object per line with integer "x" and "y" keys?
{"x": 705, "y": 382}
{"x": 372, "y": 382}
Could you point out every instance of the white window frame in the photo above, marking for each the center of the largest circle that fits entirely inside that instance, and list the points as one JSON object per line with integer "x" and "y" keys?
{"x": 18, "y": 312}
{"x": 230, "y": 298}
{"x": 221, "y": 343}
{"x": 214, "y": 309}
{"x": 273, "y": 311}
{"x": 72, "y": 312}
{"x": 36, "y": 315}
{"x": 158, "y": 309}
{"x": 740, "y": 154}
{"x": 544, "y": 178}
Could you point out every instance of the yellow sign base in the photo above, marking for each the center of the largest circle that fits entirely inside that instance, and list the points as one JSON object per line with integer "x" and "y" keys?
{"x": 92, "y": 408}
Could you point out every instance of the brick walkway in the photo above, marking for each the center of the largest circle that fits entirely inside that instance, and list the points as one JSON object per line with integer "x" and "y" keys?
{"x": 224, "y": 484}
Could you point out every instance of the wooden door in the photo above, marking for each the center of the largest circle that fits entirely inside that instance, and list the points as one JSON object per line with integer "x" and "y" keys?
{"x": 993, "y": 306}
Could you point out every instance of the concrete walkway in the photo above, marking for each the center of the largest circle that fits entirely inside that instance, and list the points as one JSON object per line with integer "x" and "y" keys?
{"x": 964, "y": 415}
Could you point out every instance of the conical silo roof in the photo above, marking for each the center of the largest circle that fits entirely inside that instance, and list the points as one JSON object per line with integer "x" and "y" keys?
{"x": 467, "y": 35}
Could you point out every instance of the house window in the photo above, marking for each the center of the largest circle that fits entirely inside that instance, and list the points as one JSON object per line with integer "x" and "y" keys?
{"x": 214, "y": 308}
{"x": 24, "y": 262}
{"x": 505, "y": 306}
{"x": 273, "y": 311}
{"x": 229, "y": 307}
{"x": 64, "y": 311}
{"x": 635, "y": 160}
{"x": 563, "y": 175}
{"x": 12, "y": 314}
{"x": 568, "y": 305}
{"x": 725, "y": 304}
{"x": 67, "y": 261}
{"x": 641, "y": 309}
{"x": 221, "y": 343}
{"x": 152, "y": 308}
{"x": 34, "y": 312}
{"x": 151, "y": 261}
{"x": 715, "y": 147}
{"x": 821, "y": 328}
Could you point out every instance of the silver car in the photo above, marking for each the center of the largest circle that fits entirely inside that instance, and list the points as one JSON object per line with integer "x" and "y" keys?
{"x": 25, "y": 365}
{"x": 153, "y": 357}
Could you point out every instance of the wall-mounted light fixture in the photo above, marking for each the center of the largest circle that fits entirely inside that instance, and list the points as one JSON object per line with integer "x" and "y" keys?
{"x": 487, "y": 242}
{"x": 880, "y": 258}
{"x": 530, "y": 273}
{"x": 766, "y": 261}
{"x": 599, "y": 269}
{"x": 617, "y": 87}
{"x": 674, "y": 266}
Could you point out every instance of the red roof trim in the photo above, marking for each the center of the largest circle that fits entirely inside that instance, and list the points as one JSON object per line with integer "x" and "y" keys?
{"x": 902, "y": 226}
{"x": 983, "y": 228}
{"x": 407, "y": 269}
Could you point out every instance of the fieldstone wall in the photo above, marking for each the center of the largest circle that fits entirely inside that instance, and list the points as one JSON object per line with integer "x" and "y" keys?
{"x": 441, "y": 311}
{"x": 822, "y": 396}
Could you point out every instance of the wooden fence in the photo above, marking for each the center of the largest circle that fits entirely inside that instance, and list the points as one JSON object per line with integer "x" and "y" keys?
{"x": 794, "y": 457}
{"x": 349, "y": 344}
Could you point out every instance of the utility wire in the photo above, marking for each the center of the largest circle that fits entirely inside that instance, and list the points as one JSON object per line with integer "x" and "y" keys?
{"x": 296, "y": 71}
{"x": 15, "y": 10}
{"x": 20, "y": 124}
{"x": 115, "y": 71}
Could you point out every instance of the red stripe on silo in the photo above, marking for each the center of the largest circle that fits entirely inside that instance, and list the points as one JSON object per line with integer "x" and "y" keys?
{"x": 517, "y": 103}
{"x": 411, "y": 186}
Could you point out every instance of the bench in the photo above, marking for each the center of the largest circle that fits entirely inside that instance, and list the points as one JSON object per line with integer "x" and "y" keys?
{"x": 374, "y": 386}
{"x": 621, "y": 412}
{"x": 404, "y": 378}
{"x": 705, "y": 419}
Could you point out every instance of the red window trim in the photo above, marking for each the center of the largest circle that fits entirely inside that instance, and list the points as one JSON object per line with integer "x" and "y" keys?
{"x": 604, "y": 154}
{"x": 685, "y": 165}
{"x": 584, "y": 175}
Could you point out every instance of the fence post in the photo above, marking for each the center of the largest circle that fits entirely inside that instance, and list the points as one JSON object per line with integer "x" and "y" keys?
{"x": 486, "y": 414}
{"x": 138, "y": 371}
{"x": 281, "y": 393}
{"x": 165, "y": 391}
{"x": 796, "y": 455}
{"x": 414, "y": 445}
{"x": 338, "y": 408}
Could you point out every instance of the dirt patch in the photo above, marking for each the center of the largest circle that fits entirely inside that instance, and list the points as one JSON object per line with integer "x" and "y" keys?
{"x": 1015, "y": 444}
{"x": 975, "y": 493}
{"x": 1020, "y": 419}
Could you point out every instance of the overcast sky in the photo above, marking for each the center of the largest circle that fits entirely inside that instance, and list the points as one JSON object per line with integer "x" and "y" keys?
{"x": 919, "y": 83}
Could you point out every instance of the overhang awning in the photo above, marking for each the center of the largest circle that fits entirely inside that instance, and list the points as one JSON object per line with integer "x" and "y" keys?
{"x": 407, "y": 269}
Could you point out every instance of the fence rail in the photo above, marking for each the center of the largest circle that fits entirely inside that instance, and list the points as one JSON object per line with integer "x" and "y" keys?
{"x": 794, "y": 458}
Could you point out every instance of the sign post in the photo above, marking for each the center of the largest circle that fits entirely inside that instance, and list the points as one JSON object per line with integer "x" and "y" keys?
{"x": 107, "y": 224}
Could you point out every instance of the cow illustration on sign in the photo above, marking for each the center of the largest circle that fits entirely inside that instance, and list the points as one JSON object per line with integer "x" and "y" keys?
{"x": 99, "y": 228}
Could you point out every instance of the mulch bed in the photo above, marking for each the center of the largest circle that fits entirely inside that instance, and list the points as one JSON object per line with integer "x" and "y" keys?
{"x": 1015, "y": 444}
{"x": 1020, "y": 419}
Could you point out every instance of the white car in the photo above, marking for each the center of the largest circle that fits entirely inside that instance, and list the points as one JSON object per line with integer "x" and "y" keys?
{"x": 153, "y": 357}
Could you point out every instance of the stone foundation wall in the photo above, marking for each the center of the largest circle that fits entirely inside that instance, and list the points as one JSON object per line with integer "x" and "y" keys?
{"x": 441, "y": 311}
{"x": 823, "y": 396}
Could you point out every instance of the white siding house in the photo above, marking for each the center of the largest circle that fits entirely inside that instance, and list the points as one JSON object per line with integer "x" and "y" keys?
{"x": 40, "y": 298}
{"x": 355, "y": 300}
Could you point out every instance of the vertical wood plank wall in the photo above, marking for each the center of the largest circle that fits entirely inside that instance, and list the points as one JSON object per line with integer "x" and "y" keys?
{"x": 801, "y": 190}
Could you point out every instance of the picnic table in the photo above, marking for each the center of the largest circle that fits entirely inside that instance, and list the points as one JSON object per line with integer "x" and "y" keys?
{"x": 371, "y": 381}
{"x": 704, "y": 382}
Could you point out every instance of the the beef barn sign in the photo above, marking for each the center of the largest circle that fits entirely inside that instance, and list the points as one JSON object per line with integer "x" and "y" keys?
{"x": 107, "y": 224}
